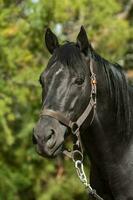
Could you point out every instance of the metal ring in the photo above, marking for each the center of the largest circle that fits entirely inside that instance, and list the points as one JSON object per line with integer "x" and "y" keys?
{"x": 79, "y": 156}
{"x": 74, "y": 127}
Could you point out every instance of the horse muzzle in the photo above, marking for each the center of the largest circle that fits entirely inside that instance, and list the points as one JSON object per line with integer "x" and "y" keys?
{"x": 48, "y": 136}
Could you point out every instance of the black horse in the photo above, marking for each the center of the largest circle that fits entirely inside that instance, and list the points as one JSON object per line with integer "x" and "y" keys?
{"x": 108, "y": 139}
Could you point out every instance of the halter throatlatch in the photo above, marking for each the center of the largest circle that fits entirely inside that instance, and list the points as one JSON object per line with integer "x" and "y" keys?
{"x": 77, "y": 153}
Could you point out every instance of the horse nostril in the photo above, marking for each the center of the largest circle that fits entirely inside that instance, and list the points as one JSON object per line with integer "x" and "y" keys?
{"x": 34, "y": 140}
{"x": 51, "y": 139}
{"x": 51, "y": 134}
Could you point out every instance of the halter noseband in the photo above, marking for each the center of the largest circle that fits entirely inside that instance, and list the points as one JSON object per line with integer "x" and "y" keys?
{"x": 75, "y": 126}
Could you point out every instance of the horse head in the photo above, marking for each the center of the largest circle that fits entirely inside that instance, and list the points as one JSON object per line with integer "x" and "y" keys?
{"x": 66, "y": 89}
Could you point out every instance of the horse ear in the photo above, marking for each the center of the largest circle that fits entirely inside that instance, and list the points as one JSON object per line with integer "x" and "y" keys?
{"x": 51, "y": 40}
{"x": 82, "y": 41}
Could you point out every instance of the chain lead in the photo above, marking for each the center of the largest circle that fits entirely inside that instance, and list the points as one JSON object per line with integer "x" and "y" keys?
{"x": 82, "y": 176}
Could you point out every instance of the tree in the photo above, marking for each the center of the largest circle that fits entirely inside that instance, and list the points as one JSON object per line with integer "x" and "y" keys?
{"x": 22, "y": 58}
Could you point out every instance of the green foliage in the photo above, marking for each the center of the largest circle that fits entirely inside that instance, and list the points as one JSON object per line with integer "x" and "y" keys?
{"x": 23, "y": 174}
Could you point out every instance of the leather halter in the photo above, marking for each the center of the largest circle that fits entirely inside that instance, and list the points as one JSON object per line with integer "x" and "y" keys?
{"x": 75, "y": 125}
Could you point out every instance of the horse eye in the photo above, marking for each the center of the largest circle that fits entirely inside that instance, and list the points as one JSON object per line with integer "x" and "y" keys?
{"x": 79, "y": 81}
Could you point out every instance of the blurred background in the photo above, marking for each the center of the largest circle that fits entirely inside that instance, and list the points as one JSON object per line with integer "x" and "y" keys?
{"x": 109, "y": 24}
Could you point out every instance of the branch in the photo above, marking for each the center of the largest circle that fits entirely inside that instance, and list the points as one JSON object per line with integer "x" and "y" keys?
{"x": 125, "y": 14}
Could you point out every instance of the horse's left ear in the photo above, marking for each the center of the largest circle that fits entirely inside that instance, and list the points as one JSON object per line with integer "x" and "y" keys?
{"x": 51, "y": 40}
{"x": 82, "y": 41}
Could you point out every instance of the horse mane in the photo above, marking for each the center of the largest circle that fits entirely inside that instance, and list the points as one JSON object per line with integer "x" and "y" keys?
{"x": 118, "y": 92}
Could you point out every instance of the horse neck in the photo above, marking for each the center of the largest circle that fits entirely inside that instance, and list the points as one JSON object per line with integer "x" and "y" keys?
{"x": 104, "y": 137}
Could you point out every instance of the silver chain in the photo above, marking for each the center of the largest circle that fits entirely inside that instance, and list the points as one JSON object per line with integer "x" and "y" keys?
{"x": 81, "y": 173}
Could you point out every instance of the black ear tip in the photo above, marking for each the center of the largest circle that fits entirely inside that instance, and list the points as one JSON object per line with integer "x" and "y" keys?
{"x": 82, "y": 28}
{"x": 48, "y": 30}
